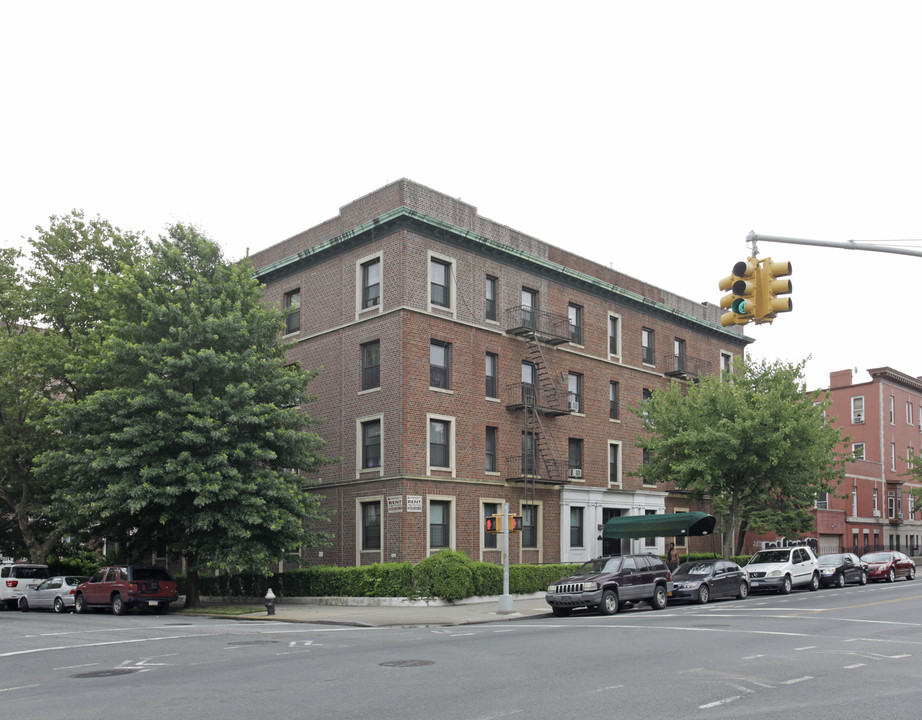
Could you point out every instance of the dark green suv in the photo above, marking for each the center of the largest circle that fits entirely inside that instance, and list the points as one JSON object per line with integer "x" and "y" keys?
{"x": 607, "y": 583}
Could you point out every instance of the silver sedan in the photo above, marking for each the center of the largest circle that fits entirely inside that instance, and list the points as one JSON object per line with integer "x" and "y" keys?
{"x": 56, "y": 593}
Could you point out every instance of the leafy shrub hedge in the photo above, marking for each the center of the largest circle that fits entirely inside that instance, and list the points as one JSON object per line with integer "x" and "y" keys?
{"x": 448, "y": 574}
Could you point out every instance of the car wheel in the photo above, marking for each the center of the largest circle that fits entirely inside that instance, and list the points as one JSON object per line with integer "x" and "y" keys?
{"x": 561, "y": 611}
{"x": 118, "y": 605}
{"x": 703, "y": 595}
{"x": 840, "y": 580}
{"x": 912, "y": 573}
{"x": 23, "y": 604}
{"x": 80, "y": 604}
{"x": 743, "y": 592}
{"x": 608, "y": 605}
{"x": 891, "y": 576}
{"x": 863, "y": 579}
{"x": 59, "y": 605}
{"x": 815, "y": 582}
{"x": 785, "y": 585}
{"x": 658, "y": 601}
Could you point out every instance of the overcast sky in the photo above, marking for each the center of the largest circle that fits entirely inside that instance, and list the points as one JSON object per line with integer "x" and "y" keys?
{"x": 648, "y": 136}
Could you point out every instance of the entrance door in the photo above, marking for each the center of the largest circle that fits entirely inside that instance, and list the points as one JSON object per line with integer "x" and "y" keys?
{"x": 610, "y": 546}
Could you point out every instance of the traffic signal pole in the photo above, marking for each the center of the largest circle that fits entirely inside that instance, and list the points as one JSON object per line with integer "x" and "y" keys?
{"x": 752, "y": 237}
{"x": 505, "y": 600}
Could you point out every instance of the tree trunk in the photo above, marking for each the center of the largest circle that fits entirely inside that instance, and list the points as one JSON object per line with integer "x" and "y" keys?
{"x": 193, "y": 600}
{"x": 741, "y": 537}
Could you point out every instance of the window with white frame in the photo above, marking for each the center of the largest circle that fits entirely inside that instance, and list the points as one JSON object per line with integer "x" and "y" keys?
{"x": 614, "y": 335}
{"x": 909, "y": 413}
{"x": 440, "y": 523}
{"x": 893, "y": 456}
{"x": 726, "y": 362}
{"x": 369, "y": 443}
{"x": 891, "y": 504}
{"x": 530, "y": 519}
{"x": 858, "y": 409}
{"x": 441, "y": 445}
{"x": 892, "y": 411}
{"x": 576, "y": 527}
{"x": 822, "y": 501}
{"x": 575, "y": 392}
{"x": 614, "y": 463}
{"x": 440, "y": 365}
{"x": 858, "y": 451}
{"x": 370, "y": 518}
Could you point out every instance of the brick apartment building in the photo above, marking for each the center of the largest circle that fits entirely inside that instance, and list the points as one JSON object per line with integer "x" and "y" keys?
{"x": 464, "y": 365}
{"x": 884, "y": 419}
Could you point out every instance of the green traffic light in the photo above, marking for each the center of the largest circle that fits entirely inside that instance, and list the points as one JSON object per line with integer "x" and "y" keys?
{"x": 739, "y": 306}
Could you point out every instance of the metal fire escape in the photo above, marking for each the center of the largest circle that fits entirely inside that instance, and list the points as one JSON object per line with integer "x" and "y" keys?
{"x": 544, "y": 398}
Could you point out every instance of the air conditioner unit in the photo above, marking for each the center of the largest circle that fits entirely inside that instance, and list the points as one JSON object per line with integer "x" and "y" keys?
{"x": 877, "y": 513}
{"x": 899, "y": 516}
{"x": 575, "y": 473}
{"x": 574, "y": 406}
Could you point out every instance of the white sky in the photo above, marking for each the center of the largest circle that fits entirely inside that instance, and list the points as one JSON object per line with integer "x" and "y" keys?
{"x": 652, "y": 136}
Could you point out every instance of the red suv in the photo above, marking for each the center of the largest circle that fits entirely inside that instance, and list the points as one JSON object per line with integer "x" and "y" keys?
{"x": 123, "y": 587}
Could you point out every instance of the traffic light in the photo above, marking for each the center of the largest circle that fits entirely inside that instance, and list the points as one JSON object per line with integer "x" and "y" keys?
{"x": 516, "y": 523}
{"x": 770, "y": 286}
{"x": 493, "y": 524}
{"x": 743, "y": 287}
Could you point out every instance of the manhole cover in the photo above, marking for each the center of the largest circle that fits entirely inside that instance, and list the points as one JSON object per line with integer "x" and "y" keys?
{"x": 407, "y": 663}
{"x": 106, "y": 673}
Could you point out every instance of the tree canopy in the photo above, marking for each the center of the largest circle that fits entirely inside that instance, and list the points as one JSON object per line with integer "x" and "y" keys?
{"x": 753, "y": 442}
{"x": 193, "y": 438}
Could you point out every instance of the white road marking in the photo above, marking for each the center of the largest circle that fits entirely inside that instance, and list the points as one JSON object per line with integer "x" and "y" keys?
{"x": 719, "y": 702}
{"x": 794, "y": 681}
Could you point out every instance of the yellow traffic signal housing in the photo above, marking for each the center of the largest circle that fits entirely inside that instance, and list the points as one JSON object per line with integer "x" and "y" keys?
{"x": 493, "y": 524}
{"x": 742, "y": 284}
{"x": 771, "y": 284}
{"x": 516, "y": 523}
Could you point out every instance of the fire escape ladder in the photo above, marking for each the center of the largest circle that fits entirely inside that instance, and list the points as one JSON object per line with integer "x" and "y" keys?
{"x": 545, "y": 375}
{"x": 543, "y": 441}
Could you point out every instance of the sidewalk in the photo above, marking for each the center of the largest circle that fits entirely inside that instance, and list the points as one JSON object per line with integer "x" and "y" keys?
{"x": 392, "y": 612}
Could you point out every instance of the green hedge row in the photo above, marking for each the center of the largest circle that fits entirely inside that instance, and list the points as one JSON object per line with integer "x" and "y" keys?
{"x": 448, "y": 574}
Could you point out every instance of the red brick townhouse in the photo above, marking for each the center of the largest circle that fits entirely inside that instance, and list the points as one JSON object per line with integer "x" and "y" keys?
{"x": 884, "y": 419}
{"x": 464, "y": 365}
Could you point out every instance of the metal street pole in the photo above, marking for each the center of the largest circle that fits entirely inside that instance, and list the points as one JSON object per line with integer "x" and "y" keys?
{"x": 753, "y": 238}
{"x": 505, "y": 600}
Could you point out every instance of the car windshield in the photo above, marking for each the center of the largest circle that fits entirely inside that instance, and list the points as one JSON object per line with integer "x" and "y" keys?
{"x": 770, "y": 556}
{"x": 831, "y": 559}
{"x": 151, "y": 574}
{"x": 876, "y": 557}
{"x": 612, "y": 564}
{"x": 694, "y": 568}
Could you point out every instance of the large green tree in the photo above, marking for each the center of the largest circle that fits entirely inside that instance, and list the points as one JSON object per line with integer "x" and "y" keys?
{"x": 195, "y": 439}
{"x": 753, "y": 442}
{"x": 52, "y": 305}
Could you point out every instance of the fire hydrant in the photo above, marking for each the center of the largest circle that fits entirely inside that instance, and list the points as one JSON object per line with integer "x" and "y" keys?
{"x": 270, "y": 602}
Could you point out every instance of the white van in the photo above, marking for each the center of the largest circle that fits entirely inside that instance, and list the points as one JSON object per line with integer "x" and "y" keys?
{"x": 15, "y": 577}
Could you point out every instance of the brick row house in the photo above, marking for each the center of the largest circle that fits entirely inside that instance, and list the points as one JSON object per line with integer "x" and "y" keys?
{"x": 883, "y": 419}
{"x": 464, "y": 365}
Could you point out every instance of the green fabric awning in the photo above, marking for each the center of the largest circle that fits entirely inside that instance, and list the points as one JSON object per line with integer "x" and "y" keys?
{"x": 675, "y": 524}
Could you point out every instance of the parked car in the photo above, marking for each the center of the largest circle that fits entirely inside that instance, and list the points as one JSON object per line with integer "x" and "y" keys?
{"x": 607, "y": 583}
{"x": 56, "y": 593}
{"x": 781, "y": 569}
{"x": 889, "y": 565}
{"x": 840, "y": 568}
{"x": 14, "y": 577}
{"x": 704, "y": 580}
{"x": 123, "y": 587}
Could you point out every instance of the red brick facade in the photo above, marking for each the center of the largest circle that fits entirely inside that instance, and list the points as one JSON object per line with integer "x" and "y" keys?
{"x": 411, "y": 504}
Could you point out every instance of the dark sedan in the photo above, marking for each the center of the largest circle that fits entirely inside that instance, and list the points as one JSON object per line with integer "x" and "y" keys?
{"x": 840, "y": 568}
{"x": 889, "y": 565}
{"x": 704, "y": 580}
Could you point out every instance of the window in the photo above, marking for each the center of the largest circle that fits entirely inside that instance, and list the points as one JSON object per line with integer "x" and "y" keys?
{"x": 440, "y": 282}
{"x": 576, "y": 527}
{"x": 858, "y": 409}
{"x": 645, "y": 459}
{"x": 529, "y": 458}
{"x": 646, "y": 346}
{"x": 822, "y": 501}
{"x": 575, "y": 313}
{"x": 875, "y": 500}
{"x": 371, "y": 283}
{"x": 891, "y": 504}
{"x": 489, "y": 539}
{"x": 490, "y": 465}
{"x": 293, "y": 311}
{"x": 440, "y": 365}
{"x": 529, "y": 308}
{"x": 614, "y": 391}
{"x": 529, "y": 526}
{"x": 614, "y": 335}
{"x": 650, "y": 541}
{"x": 726, "y": 362}
{"x": 575, "y": 392}
{"x": 858, "y": 451}
{"x": 371, "y": 365}
{"x": 371, "y": 444}
{"x": 575, "y": 458}
{"x": 614, "y": 463}
{"x": 492, "y": 390}
{"x": 893, "y": 456}
{"x": 371, "y": 525}
{"x": 439, "y": 524}
{"x": 492, "y": 287}
{"x": 892, "y": 411}
{"x": 440, "y": 443}
{"x": 529, "y": 379}
{"x": 647, "y": 394}
{"x": 909, "y": 412}
{"x": 678, "y": 350}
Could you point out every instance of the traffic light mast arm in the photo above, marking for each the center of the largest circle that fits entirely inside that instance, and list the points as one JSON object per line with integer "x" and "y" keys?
{"x": 850, "y": 245}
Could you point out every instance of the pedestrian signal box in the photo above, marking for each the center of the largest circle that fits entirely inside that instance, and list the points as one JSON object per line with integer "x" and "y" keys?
{"x": 494, "y": 523}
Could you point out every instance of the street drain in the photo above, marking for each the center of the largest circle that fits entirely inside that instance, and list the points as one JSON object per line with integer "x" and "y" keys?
{"x": 106, "y": 673}
{"x": 407, "y": 663}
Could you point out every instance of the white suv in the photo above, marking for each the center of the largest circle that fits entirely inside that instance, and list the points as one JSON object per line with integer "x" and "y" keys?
{"x": 781, "y": 569}
{"x": 15, "y": 577}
